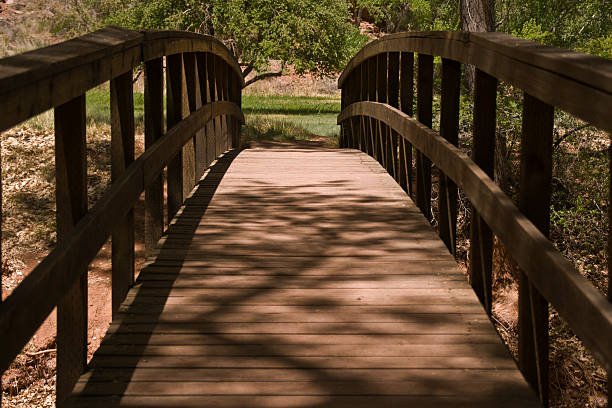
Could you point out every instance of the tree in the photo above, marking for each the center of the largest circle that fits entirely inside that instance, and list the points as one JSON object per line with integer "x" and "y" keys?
{"x": 313, "y": 36}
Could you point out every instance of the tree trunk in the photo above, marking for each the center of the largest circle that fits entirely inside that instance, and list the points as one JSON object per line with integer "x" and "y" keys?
{"x": 476, "y": 15}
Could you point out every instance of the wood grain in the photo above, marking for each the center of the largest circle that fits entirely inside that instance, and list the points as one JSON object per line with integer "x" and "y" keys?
{"x": 122, "y": 155}
{"x": 532, "y": 250}
{"x": 301, "y": 295}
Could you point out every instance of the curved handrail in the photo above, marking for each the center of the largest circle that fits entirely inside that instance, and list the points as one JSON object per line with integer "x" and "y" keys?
{"x": 56, "y": 273}
{"x": 533, "y": 252}
{"x": 384, "y": 71}
{"x": 29, "y": 81}
{"x": 555, "y": 76}
{"x": 203, "y": 81}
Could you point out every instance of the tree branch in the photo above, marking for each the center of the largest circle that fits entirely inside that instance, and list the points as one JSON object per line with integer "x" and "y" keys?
{"x": 248, "y": 69}
{"x": 263, "y": 76}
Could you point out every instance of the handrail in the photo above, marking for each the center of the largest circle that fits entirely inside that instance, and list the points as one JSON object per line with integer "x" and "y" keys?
{"x": 535, "y": 68}
{"x": 28, "y": 81}
{"x": 377, "y": 105}
{"x": 203, "y": 82}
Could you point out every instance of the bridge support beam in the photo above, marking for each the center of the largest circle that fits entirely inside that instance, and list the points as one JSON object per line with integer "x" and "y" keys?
{"x": 71, "y": 203}
{"x": 122, "y": 155}
{"x": 424, "y": 115}
{"x": 534, "y": 202}
{"x": 483, "y": 149}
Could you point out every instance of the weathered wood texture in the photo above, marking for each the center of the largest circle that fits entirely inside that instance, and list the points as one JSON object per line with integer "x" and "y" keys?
{"x": 71, "y": 204}
{"x": 282, "y": 282}
{"x": 558, "y": 77}
{"x": 534, "y": 202}
{"x": 154, "y": 129}
{"x": 483, "y": 150}
{"x": 122, "y": 155}
{"x": 573, "y": 296}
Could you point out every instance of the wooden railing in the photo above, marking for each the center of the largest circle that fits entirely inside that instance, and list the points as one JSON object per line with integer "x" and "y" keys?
{"x": 376, "y": 117}
{"x": 203, "y": 119}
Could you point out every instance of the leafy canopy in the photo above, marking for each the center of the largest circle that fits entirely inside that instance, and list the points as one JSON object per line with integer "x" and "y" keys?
{"x": 312, "y": 35}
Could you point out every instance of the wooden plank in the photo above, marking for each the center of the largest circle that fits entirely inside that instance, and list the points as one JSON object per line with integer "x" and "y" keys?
{"x": 561, "y": 78}
{"x": 483, "y": 154}
{"x": 194, "y": 95}
{"x": 332, "y": 401}
{"x": 533, "y": 251}
{"x": 175, "y": 93}
{"x": 154, "y": 129}
{"x": 406, "y": 100}
{"x": 534, "y": 202}
{"x": 29, "y": 81}
{"x": 71, "y": 203}
{"x": 394, "y": 91}
{"x": 449, "y": 130}
{"x": 424, "y": 115}
{"x": 122, "y": 155}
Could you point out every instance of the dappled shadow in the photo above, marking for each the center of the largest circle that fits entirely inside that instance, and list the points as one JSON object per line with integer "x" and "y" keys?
{"x": 301, "y": 276}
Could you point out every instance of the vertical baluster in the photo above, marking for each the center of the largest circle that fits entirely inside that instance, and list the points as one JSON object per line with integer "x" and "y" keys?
{"x": 355, "y": 81}
{"x": 363, "y": 96}
{"x": 381, "y": 96}
{"x": 372, "y": 97}
{"x": 208, "y": 90}
{"x": 393, "y": 84}
{"x": 71, "y": 204}
{"x": 424, "y": 115}
{"x": 180, "y": 168}
{"x": 343, "y": 105}
{"x": 227, "y": 118}
{"x": 449, "y": 129}
{"x": 406, "y": 100}
{"x": 534, "y": 202}
{"x": 122, "y": 155}
{"x": 213, "y": 145}
{"x": 194, "y": 97}
{"x": 483, "y": 152}
{"x": 222, "y": 133}
{"x": 154, "y": 129}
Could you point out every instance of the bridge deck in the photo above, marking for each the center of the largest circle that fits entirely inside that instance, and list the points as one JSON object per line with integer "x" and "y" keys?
{"x": 301, "y": 277}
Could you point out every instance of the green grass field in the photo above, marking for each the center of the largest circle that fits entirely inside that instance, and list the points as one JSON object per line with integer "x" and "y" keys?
{"x": 268, "y": 117}
{"x": 287, "y": 118}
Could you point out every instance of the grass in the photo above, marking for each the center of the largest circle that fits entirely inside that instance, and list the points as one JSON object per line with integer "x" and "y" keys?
{"x": 286, "y": 118}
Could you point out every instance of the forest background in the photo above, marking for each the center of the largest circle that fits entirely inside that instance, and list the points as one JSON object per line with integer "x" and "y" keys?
{"x": 308, "y": 42}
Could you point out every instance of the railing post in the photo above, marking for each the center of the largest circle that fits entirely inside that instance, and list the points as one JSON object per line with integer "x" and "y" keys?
{"x": 222, "y": 129}
{"x": 406, "y": 100}
{"x": 354, "y": 97}
{"x": 208, "y": 90}
{"x": 381, "y": 96}
{"x": 122, "y": 155}
{"x": 449, "y": 129}
{"x": 71, "y": 203}
{"x": 154, "y": 129}
{"x": 483, "y": 152}
{"x": 534, "y": 202}
{"x": 192, "y": 78}
{"x": 424, "y": 115}
{"x": 175, "y": 105}
{"x": 372, "y": 97}
{"x": 393, "y": 83}
{"x": 363, "y": 96}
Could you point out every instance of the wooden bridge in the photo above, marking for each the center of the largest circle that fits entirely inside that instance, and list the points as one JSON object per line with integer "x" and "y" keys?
{"x": 296, "y": 275}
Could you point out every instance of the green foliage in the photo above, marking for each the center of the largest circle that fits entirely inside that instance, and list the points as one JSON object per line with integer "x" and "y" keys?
{"x": 312, "y": 35}
{"x": 412, "y": 15}
{"x": 576, "y": 24}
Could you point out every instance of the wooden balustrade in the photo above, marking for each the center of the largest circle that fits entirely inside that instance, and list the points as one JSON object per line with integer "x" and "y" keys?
{"x": 549, "y": 77}
{"x": 203, "y": 91}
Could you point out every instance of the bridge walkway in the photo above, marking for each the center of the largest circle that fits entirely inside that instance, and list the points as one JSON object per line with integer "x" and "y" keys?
{"x": 300, "y": 276}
